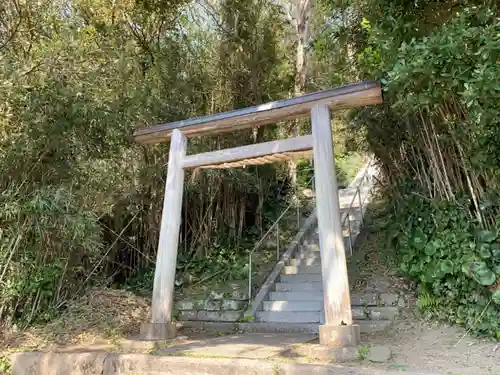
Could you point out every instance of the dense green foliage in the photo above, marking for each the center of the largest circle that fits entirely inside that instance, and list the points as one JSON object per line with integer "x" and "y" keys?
{"x": 455, "y": 262}
{"x": 80, "y": 203}
{"x": 437, "y": 140}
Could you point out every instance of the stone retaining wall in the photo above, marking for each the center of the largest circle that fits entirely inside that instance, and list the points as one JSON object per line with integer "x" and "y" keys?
{"x": 217, "y": 307}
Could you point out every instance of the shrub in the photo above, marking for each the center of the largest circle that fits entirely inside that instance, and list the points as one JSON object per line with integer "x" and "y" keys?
{"x": 47, "y": 244}
{"x": 455, "y": 262}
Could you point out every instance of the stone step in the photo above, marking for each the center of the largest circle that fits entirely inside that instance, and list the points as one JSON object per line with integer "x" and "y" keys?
{"x": 358, "y": 312}
{"x": 295, "y": 270}
{"x": 387, "y": 314}
{"x": 374, "y": 299}
{"x": 262, "y": 327}
{"x": 370, "y": 326}
{"x": 288, "y": 312}
{"x": 293, "y": 306}
{"x": 316, "y": 286}
{"x": 315, "y": 254}
{"x": 210, "y": 305}
{"x": 288, "y": 316}
{"x": 391, "y": 299}
{"x": 310, "y": 269}
{"x": 309, "y": 247}
{"x": 364, "y": 299}
{"x": 314, "y": 292}
{"x": 366, "y": 326}
{"x": 313, "y": 237}
{"x": 313, "y": 295}
{"x": 309, "y": 257}
{"x": 312, "y": 248}
{"x": 212, "y": 316}
{"x": 305, "y": 261}
{"x": 300, "y": 278}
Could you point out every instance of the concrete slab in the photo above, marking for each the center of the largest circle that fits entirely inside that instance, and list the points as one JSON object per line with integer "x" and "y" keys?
{"x": 288, "y": 316}
{"x": 296, "y": 296}
{"x": 326, "y": 353}
{"x": 134, "y": 364}
{"x": 300, "y": 278}
{"x": 153, "y": 365}
{"x": 301, "y": 369}
{"x": 300, "y": 287}
{"x": 292, "y": 306}
{"x": 57, "y": 363}
{"x": 366, "y": 326}
{"x": 251, "y": 345}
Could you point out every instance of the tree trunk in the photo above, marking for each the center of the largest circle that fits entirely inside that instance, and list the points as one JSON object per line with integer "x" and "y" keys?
{"x": 298, "y": 14}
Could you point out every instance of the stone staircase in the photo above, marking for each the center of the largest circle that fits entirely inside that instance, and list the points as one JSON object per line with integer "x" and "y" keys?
{"x": 291, "y": 299}
{"x": 297, "y": 297}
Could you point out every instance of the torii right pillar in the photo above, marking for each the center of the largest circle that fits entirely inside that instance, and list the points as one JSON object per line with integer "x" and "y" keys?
{"x": 337, "y": 330}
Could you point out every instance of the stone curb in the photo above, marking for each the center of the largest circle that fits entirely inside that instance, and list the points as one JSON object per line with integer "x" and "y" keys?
{"x": 301, "y": 369}
{"x": 366, "y": 326}
{"x": 37, "y": 363}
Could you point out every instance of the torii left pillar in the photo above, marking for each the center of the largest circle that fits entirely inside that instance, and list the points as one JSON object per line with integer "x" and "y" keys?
{"x": 161, "y": 326}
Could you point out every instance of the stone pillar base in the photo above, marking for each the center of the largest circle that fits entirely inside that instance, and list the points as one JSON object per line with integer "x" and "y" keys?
{"x": 157, "y": 331}
{"x": 339, "y": 336}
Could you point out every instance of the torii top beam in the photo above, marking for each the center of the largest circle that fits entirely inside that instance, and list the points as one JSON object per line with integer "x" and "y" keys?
{"x": 356, "y": 95}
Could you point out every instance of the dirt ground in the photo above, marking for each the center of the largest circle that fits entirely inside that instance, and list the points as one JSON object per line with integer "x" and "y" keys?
{"x": 416, "y": 345}
{"x": 425, "y": 347}
{"x": 103, "y": 319}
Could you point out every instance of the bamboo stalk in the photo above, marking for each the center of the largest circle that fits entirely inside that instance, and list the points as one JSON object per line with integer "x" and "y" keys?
{"x": 438, "y": 179}
{"x": 441, "y": 160}
{"x": 469, "y": 183}
{"x": 13, "y": 247}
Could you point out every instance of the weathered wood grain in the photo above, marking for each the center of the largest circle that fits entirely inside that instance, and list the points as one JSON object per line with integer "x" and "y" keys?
{"x": 360, "y": 94}
{"x": 246, "y": 152}
{"x": 166, "y": 259}
{"x": 333, "y": 260}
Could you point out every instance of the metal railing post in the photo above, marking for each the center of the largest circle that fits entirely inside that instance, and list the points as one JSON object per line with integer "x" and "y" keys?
{"x": 277, "y": 242}
{"x": 360, "y": 207}
{"x": 250, "y": 276}
{"x": 350, "y": 234}
{"x": 298, "y": 212}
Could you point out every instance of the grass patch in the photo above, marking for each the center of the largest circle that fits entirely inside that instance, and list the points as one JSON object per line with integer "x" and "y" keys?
{"x": 4, "y": 365}
{"x": 363, "y": 352}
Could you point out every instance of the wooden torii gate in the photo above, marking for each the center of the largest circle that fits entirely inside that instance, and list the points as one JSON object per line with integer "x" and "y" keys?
{"x": 338, "y": 329}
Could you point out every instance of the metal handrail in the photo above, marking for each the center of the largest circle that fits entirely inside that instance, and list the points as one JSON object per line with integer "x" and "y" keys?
{"x": 259, "y": 243}
{"x": 351, "y": 205}
{"x": 275, "y": 225}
